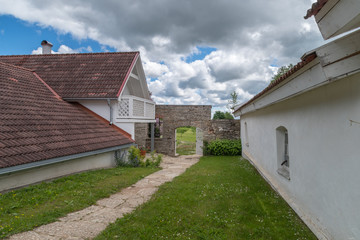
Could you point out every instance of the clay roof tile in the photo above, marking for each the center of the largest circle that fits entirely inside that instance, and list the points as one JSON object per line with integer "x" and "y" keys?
{"x": 36, "y": 125}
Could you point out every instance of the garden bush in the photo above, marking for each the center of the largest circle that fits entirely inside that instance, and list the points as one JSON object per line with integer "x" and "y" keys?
{"x": 153, "y": 161}
{"x": 223, "y": 147}
{"x": 135, "y": 159}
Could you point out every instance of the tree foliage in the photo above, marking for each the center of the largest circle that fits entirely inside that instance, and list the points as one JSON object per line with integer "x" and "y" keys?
{"x": 222, "y": 115}
{"x": 233, "y": 101}
{"x": 228, "y": 115}
{"x": 281, "y": 71}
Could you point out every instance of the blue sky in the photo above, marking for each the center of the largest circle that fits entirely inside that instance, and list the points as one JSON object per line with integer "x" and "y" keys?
{"x": 18, "y": 37}
{"x": 202, "y": 52}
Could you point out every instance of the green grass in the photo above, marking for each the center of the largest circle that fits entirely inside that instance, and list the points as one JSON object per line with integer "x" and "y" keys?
{"x": 29, "y": 207}
{"x": 186, "y": 140}
{"x": 218, "y": 198}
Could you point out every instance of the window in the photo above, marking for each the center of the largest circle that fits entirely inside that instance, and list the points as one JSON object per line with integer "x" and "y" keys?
{"x": 246, "y": 135}
{"x": 283, "y": 159}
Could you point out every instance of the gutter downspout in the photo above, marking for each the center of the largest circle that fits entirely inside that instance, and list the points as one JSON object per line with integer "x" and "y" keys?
{"x": 111, "y": 112}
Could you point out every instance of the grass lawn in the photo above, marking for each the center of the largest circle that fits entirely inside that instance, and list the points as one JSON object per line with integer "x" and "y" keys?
{"x": 26, "y": 208}
{"x": 186, "y": 140}
{"x": 218, "y": 198}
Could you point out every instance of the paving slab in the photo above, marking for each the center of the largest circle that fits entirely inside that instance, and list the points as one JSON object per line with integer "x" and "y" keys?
{"x": 89, "y": 222}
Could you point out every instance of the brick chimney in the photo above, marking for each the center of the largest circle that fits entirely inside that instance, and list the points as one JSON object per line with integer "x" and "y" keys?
{"x": 46, "y": 47}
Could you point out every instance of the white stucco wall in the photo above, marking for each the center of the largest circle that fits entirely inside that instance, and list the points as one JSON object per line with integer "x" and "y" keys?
{"x": 101, "y": 107}
{"x": 27, "y": 177}
{"x": 129, "y": 127}
{"x": 324, "y": 135}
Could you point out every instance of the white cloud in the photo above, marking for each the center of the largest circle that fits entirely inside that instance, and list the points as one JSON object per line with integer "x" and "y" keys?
{"x": 248, "y": 36}
{"x": 37, "y": 51}
{"x": 305, "y": 28}
{"x": 63, "y": 49}
{"x": 160, "y": 41}
{"x": 154, "y": 69}
{"x": 88, "y": 49}
{"x": 66, "y": 49}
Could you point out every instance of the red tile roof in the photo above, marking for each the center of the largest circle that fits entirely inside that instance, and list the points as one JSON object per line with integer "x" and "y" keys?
{"x": 35, "y": 124}
{"x": 87, "y": 75}
{"x": 305, "y": 60}
{"x": 315, "y": 8}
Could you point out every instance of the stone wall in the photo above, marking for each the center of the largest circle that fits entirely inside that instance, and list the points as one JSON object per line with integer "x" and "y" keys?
{"x": 175, "y": 116}
{"x": 141, "y": 133}
{"x": 222, "y": 129}
{"x": 199, "y": 116}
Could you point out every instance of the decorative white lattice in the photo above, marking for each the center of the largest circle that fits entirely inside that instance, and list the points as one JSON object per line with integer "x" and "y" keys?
{"x": 150, "y": 110}
{"x": 138, "y": 108}
{"x": 123, "y": 109}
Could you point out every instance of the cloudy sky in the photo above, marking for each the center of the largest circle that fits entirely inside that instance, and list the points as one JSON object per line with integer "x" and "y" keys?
{"x": 193, "y": 51}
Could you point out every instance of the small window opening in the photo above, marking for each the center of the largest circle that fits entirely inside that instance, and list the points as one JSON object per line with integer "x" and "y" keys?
{"x": 246, "y": 135}
{"x": 282, "y": 140}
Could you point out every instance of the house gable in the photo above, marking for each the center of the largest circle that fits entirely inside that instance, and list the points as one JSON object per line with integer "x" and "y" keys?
{"x": 36, "y": 124}
{"x": 135, "y": 84}
{"x": 80, "y": 76}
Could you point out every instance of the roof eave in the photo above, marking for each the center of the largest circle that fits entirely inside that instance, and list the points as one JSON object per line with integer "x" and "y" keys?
{"x": 27, "y": 166}
{"x": 69, "y": 99}
{"x": 128, "y": 74}
{"x": 306, "y": 59}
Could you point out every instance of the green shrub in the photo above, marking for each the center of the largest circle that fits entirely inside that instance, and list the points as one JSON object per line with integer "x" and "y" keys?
{"x": 133, "y": 158}
{"x": 206, "y": 151}
{"x": 153, "y": 161}
{"x": 223, "y": 147}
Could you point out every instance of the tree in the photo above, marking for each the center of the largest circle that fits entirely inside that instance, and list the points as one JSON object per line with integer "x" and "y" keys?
{"x": 228, "y": 115}
{"x": 233, "y": 102}
{"x": 219, "y": 115}
{"x": 222, "y": 115}
{"x": 281, "y": 71}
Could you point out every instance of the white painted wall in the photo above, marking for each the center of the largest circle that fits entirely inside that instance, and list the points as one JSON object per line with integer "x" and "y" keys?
{"x": 337, "y": 17}
{"x": 35, "y": 175}
{"x": 129, "y": 127}
{"x": 100, "y": 107}
{"x": 324, "y": 135}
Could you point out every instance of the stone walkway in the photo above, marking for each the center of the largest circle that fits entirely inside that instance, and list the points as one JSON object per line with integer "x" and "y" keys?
{"x": 89, "y": 222}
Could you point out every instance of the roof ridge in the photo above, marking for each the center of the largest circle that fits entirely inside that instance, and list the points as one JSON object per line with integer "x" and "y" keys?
{"x": 46, "y": 85}
{"x": 55, "y": 54}
{"x": 14, "y": 66}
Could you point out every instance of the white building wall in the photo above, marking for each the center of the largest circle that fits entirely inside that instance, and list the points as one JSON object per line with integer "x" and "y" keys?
{"x": 129, "y": 127}
{"x": 324, "y": 136}
{"x": 35, "y": 175}
{"x": 100, "y": 107}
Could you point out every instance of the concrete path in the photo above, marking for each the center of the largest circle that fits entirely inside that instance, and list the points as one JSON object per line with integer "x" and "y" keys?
{"x": 89, "y": 222}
